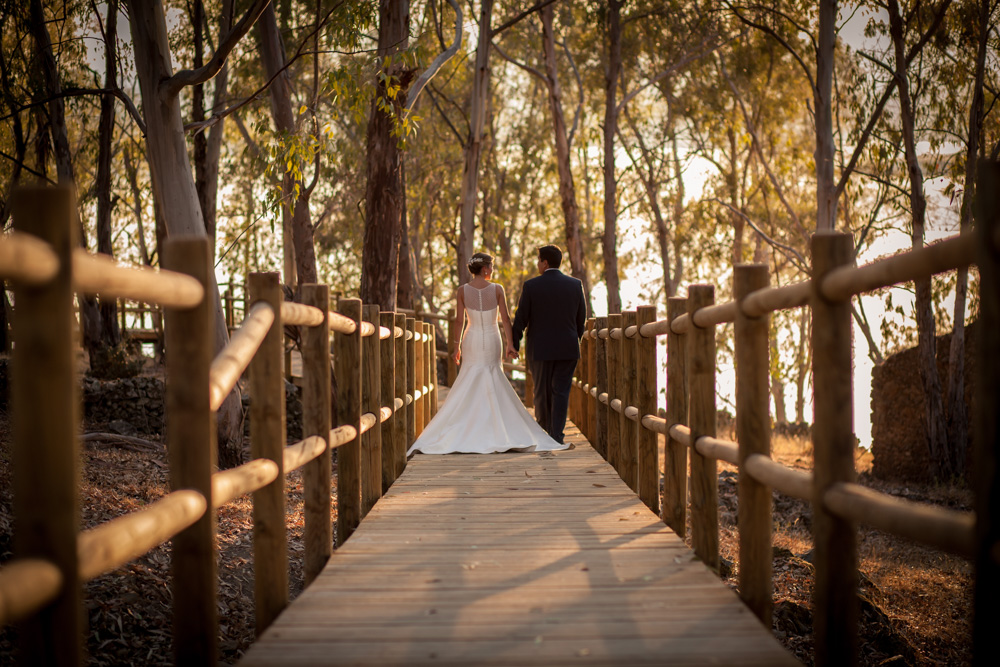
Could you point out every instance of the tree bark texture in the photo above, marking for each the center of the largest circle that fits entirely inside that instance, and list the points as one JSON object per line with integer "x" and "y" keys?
{"x": 173, "y": 182}
{"x": 384, "y": 189}
{"x": 473, "y": 148}
{"x": 611, "y": 75}
{"x": 110, "y": 333}
{"x": 936, "y": 425}
{"x": 826, "y": 192}
{"x": 272, "y": 55}
{"x": 567, "y": 189}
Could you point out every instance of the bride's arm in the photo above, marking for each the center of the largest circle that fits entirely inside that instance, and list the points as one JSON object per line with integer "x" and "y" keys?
{"x": 460, "y": 318}
{"x": 505, "y": 317}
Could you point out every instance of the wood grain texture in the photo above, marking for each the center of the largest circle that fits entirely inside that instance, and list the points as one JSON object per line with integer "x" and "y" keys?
{"x": 753, "y": 433}
{"x": 629, "y": 384}
{"x": 191, "y": 446}
{"x": 675, "y": 466}
{"x": 430, "y": 372}
{"x": 371, "y": 403}
{"x": 701, "y": 390}
{"x": 317, "y": 421}
{"x": 267, "y": 441}
{"x": 601, "y": 416}
{"x": 420, "y": 377}
{"x": 648, "y": 473}
{"x": 614, "y": 351}
{"x": 835, "y": 539}
{"x": 411, "y": 382}
{"x": 46, "y": 452}
{"x": 399, "y": 443}
{"x": 527, "y": 559}
{"x": 387, "y": 364}
{"x": 347, "y": 353}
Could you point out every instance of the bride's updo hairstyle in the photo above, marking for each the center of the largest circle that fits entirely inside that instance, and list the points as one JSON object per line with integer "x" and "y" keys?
{"x": 479, "y": 261}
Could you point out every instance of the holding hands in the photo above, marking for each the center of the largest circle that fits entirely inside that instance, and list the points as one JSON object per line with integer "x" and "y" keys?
{"x": 510, "y": 353}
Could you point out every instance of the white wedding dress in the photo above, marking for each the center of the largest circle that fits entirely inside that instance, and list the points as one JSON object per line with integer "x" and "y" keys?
{"x": 482, "y": 414}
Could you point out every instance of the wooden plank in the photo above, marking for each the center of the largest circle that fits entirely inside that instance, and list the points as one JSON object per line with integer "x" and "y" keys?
{"x": 317, "y": 421}
{"x": 675, "y": 466}
{"x": 371, "y": 403}
{"x": 753, "y": 433}
{"x": 455, "y": 575}
{"x": 191, "y": 445}
{"x": 348, "y": 371}
{"x": 701, "y": 388}
{"x": 267, "y": 441}
{"x": 834, "y": 598}
{"x": 46, "y": 454}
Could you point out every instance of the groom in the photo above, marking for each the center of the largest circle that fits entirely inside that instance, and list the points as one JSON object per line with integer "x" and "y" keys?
{"x": 553, "y": 310}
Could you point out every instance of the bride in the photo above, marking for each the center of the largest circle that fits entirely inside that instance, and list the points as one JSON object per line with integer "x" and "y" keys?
{"x": 482, "y": 414}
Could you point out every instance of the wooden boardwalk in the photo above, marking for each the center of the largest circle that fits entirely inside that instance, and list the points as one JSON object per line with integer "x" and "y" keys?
{"x": 515, "y": 559}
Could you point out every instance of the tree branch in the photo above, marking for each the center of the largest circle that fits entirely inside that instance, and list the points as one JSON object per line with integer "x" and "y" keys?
{"x": 670, "y": 70}
{"x": 190, "y": 77}
{"x": 527, "y": 68}
{"x": 522, "y": 15}
{"x": 791, "y": 253}
{"x": 781, "y": 40}
{"x": 437, "y": 63}
{"x": 579, "y": 87}
{"x": 447, "y": 120}
{"x": 81, "y": 92}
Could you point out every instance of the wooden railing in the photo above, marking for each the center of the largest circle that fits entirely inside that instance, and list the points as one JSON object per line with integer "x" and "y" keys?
{"x": 389, "y": 383}
{"x": 614, "y": 404}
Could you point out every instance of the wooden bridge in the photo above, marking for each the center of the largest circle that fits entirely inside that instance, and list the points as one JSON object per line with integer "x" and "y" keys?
{"x": 551, "y": 558}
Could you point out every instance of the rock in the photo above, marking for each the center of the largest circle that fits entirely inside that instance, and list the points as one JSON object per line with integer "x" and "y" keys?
{"x": 122, "y": 427}
{"x": 725, "y": 567}
{"x": 791, "y": 618}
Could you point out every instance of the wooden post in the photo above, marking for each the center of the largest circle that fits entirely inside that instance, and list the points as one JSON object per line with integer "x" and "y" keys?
{"x": 629, "y": 383}
{"x": 371, "y": 402}
{"x": 316, "y": 421}
{"x": 124, "y": 314}
{"x": 387, "y": 364}
{"x": 701, "y": 387}
{"x": 429, "y": 372}
{"x": 46, "y": 457}
{"x": 229, "y": 305}
{"x": 614, "y": 391}
{"x": 454, "y": 328}
{"x": 267, "y": 441}
{"x": 411, "y": 381}
{"x": 675, "y": 467}
{"x": 649, "y": 459}
{"x": 419, "y": 378}
{"x": 433, "y": 359}
{"x": 529, "y": 380}
{"x": 602, "y": 420}
{"x": 753, "y": 433}
{"x": 835, "y": 600}
{"x": 986, "y": 609}
{"x": 399, "y": 420}
{"x": 348, "y": 370}
{"x": 592, "y": 381}
{"x": 191, "y": 448}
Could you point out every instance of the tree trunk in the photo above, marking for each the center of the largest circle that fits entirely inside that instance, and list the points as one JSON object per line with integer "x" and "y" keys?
{"x": 110, "y": 333}
{"x": 610, "y": 240}
{"x": 470, "y": 177}
{"x": 777, "y": 387}
{"x": 567, "y": 190}
{"x": 958, "y": 427}
{"x": 90, "y": 315}
{"x": 384, "y": 189}
{"x": 173, "y": 182}
{"x": 404, "y": 272}
{"x": 936, "y": 426}
{"x": 826, "y": 192}
{"x": 802, "y": 365}
{"x": 272, "y": 55}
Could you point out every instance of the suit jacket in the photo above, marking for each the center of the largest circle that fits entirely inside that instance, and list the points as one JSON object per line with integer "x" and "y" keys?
{"x": 553, "y": 310}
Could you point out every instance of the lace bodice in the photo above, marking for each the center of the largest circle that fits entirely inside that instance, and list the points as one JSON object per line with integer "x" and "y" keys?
{"x": 481, "y": 344}
{"x": 480, "y": 299}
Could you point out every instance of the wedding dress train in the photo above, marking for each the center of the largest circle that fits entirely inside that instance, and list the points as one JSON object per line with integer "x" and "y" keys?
{"x": 483, "y": 414}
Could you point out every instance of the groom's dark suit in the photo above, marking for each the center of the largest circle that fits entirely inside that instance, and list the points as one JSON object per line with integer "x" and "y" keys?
{"x": 553, "y": 310}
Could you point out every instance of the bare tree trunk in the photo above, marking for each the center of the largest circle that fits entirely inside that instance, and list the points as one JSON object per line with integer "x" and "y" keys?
{"x": 110, "y": 334}
{"x": 473, "y": 148}
{"x": 384, "y": 190}
{"x": 567, "y": 190}
{"x": 802, "y": 365}
{"x": 610, "y": 240}
{"x": 404, "y": 272}
{"x": 90, "y": 315}
{"x": 958, "y": 427}
{"x": 272, "y": 55}
{"x": 777, "y": 386}
{"x": 173, "y": 181}
{"x": 826, "y": 191}
{"x": 936, "y": 426}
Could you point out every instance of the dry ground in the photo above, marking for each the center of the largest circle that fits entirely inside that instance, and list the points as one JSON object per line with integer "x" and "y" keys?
{"x": 925, "y": 595}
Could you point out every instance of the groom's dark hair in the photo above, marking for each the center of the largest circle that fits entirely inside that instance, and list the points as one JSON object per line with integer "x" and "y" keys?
{"x": 551, "y": 254}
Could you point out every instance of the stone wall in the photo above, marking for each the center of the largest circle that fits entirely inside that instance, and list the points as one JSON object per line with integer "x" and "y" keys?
{"x": 899, "y": 436}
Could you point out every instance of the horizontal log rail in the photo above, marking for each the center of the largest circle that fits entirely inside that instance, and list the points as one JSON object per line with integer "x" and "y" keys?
{"x": 27, "y": 585}
{"x": 835, "y": 496}
{"x": 297, "y": 314}
{"x": 100, "y": 274}
{"x": 27, "y": 259}
{"x": 229, "y": 365}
